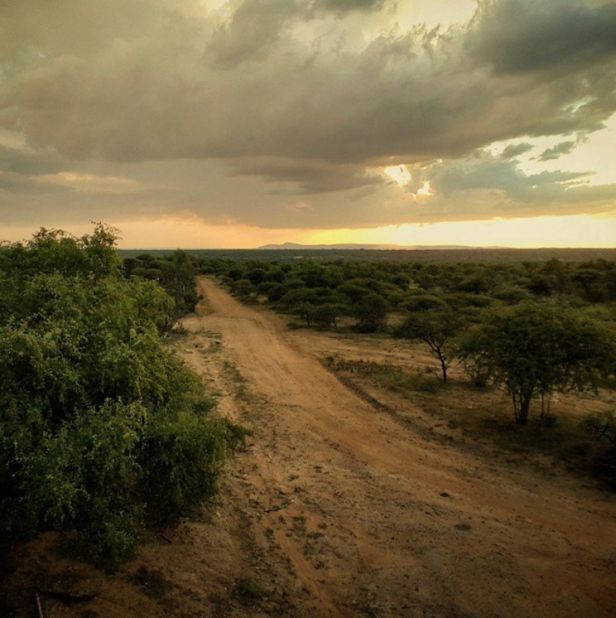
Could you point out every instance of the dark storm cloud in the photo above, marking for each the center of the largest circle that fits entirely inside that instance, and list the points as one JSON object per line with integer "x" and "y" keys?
{"x": 289, "y": 93}
{"x": 531, "y": 36}
{"x": 556, "y": 151}
{"x": 406, "y": 96}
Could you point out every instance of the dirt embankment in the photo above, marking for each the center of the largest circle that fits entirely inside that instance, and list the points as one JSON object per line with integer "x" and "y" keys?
{"x": 337, "y": 508}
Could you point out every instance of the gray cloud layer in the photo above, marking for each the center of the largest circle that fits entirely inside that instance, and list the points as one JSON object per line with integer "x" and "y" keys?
{"x": 283, "y": 91}
{"x": 549, "y": 154}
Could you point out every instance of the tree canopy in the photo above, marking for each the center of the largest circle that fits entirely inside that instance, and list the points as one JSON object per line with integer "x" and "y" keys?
{"x": 537, "y": 348}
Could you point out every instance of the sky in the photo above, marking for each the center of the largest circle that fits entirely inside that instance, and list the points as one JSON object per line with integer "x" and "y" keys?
{"x": 238, "y": 123}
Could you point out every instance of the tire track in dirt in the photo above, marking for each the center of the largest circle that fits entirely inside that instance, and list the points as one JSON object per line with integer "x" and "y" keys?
{"x": 386, "y": 522}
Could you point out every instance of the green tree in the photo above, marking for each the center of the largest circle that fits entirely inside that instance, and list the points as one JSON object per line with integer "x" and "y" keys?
{"x": 178, "y": 279}
{"x": 537, "y": 348}
{"x": 305, "y": 311}
{"x": 436, "y": 328}
{"x": 244, "y": 289}
{"x": 327, "y": 314}
{"x": 370, "y": 312}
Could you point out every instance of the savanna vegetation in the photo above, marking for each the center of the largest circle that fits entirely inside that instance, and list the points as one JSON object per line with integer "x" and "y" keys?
{"x": 104, "y": 433}
{"x": 533, "y": 329}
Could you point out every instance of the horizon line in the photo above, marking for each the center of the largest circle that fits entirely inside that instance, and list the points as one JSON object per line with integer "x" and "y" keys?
{"x": 372, "y": 248}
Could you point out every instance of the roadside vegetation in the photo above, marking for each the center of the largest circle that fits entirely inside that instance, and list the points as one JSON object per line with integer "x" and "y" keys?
{"x": 534, "y": 330}
{"x": 104, "y": 432}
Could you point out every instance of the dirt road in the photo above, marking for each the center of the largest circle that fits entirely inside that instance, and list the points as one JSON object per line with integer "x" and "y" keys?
{"x": 375, "y": 519}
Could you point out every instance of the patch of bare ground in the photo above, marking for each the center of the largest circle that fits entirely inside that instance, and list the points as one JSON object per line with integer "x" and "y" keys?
{"x": 351, "y": 500}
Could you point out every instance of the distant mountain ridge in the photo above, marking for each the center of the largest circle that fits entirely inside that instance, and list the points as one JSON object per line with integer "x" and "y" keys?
{"x": 373, "y": 247}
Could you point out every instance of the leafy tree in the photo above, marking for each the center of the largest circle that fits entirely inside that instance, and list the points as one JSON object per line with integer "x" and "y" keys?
{"x": 327, "y": 314}
{"x": 52, "y": 251}
{"x": 175, "y": 273}
{"x": 435, "y": 328}
{"x": 370, "y": 312}
{"x": 424, "y": 302}
{"x": 244, "y": 289}
{"x": 256, "y": 275}
{"x": 298, "y": 296}
{"x": 305, "y": 311}
{"x": 178, "y": 280}
{"x": 275, "y": 292}
{"x": 352, "y": 291}
{"x": 535, "y": 349}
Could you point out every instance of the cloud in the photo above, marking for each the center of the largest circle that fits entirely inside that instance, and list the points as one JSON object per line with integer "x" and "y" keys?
{"x": 256, "y": 26}
{"x": 236, "y": 111}
{"x": 556, "y": 151}
{"x": 526, "y": 36}
{"x": 309, "y": 176}
{"x": 515, "y": 150}
{"x": 485, "y": 172}
{"x": 27, "y": 185}
{"x": 91, "y": 183}
{"x": 252, "y": 31}
{"x": 346, "y": 6}
{"x": 180, "y": 86}
{"x": 28, "y": 162}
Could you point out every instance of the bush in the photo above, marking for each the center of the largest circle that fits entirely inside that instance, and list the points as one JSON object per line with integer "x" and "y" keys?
{"x": 183, "y": 456}
{"x": 176, "y": 274}
{"x": 601, "y": 428}
{"x": 102, "y": 425}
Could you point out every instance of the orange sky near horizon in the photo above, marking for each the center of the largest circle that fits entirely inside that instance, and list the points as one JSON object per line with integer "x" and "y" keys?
{"x": 584, "y": 231}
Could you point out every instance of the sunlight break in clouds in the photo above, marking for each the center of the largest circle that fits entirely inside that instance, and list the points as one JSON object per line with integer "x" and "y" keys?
{"x": 399, "y": 174}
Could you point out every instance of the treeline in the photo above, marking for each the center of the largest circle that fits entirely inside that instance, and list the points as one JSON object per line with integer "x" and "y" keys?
{"x": 103, "y": 430}
{"x": 441, "y": 255}
{"x": 323, "y": 293}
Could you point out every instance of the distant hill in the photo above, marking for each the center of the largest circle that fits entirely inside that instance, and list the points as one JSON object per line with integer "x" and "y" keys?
{"x": 293, "y": 246}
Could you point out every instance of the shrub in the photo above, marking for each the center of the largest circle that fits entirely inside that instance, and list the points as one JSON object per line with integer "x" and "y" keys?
{"x": 181, "y": 459}
{"x": 601, "y": 427}
{"x": 101, "y": 424}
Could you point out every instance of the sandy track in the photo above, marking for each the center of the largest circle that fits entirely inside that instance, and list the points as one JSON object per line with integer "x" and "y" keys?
{"x": 384, "y": 522}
